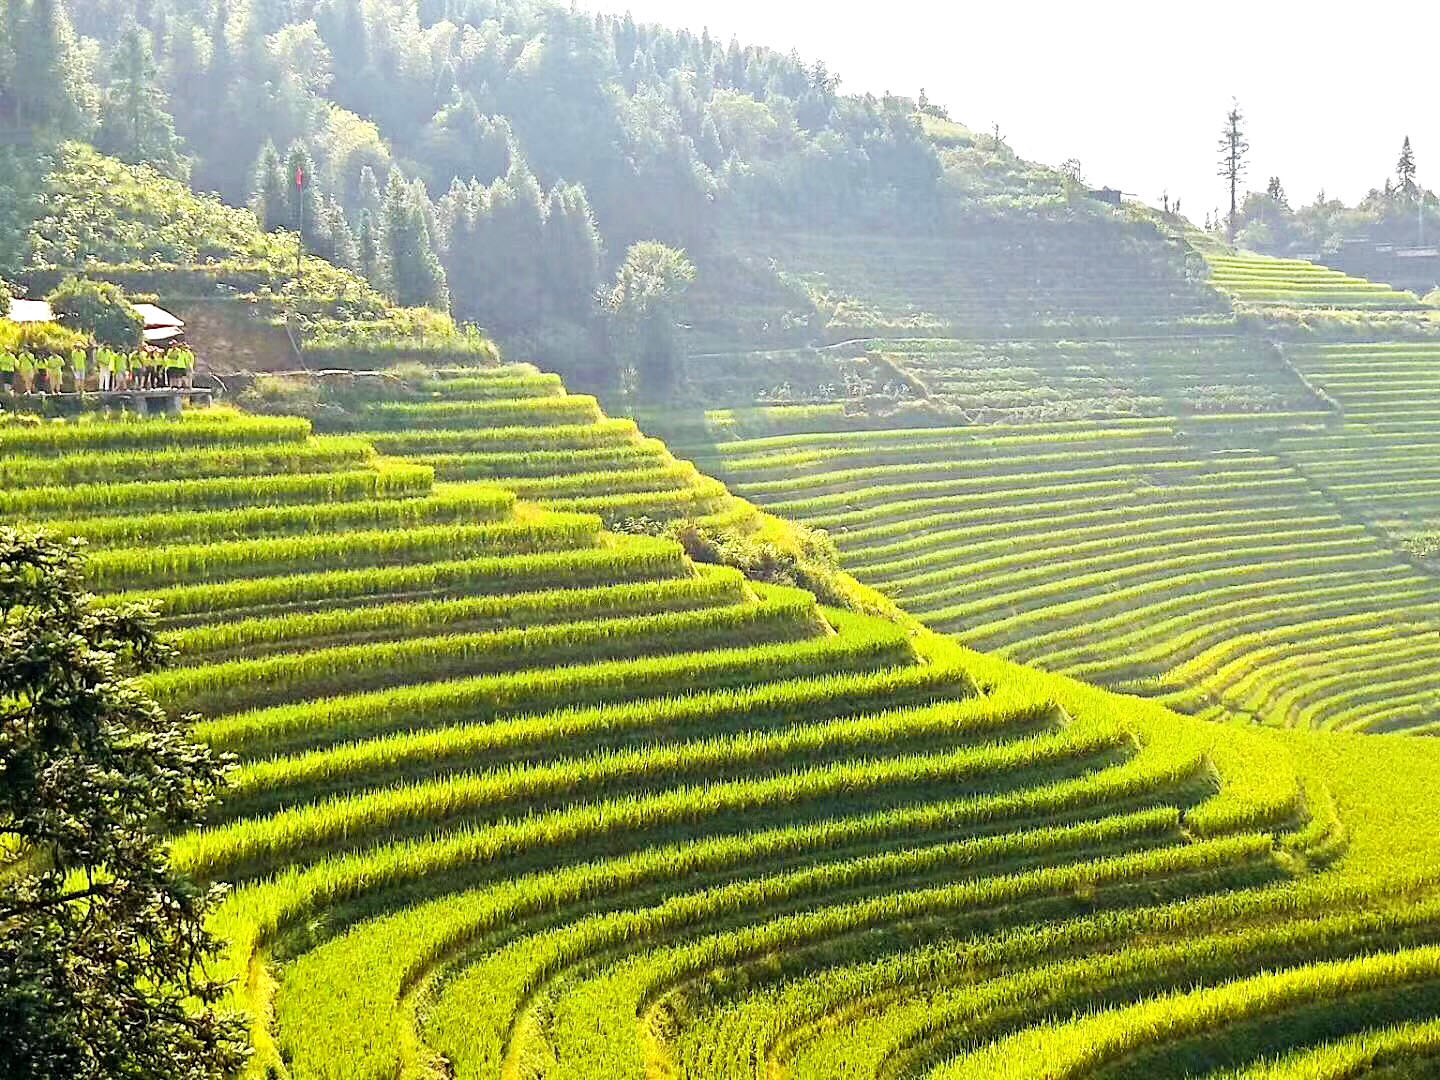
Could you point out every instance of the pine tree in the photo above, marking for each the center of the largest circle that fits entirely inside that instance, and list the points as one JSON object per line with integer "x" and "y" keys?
{"x": 1233, "y": 148}
{"x": 517, "y": 222}
{"x": 711, "y": 150}
{"x": 8, "y": 62}
{"x": 46, "y": 86}
{"x": 1405, "y": 170}
{"x": 332, "y": 239}
{"x": 268, "y": 197}
{"x": 135, "y": 126}
{"x": 302, "y": 201}
{"x": 370, "y": 199}
{"x": 370, "y": 253}
{"x": 464, "y": 223}
{"x": 570, "y": 257}
{"x": 416, "y": 277}
{"x": 421, "y": 199}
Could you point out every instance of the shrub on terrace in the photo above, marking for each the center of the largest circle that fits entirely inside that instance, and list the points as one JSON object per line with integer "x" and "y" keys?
{"x": 812, "y": 564}
{"x": 100, "y": 310}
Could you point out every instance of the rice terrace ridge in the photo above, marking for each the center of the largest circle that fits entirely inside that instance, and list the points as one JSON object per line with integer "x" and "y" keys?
{"x": 688, "y": 573}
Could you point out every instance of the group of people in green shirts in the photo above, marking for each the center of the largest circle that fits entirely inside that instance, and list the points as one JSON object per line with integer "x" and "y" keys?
{"x": 98, "y": 368}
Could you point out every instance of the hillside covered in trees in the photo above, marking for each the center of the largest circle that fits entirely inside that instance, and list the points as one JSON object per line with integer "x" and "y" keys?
{"x": 440, "y": 139}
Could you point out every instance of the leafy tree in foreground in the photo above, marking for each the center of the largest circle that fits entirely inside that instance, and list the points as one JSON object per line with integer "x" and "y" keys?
{"x": 102, "y": 947}
{"x": 641, "y": 307}
{"x": 99, "y": 309}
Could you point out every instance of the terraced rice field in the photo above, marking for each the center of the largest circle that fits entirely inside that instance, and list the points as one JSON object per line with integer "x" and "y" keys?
{"x": 984, "y": 278}
{"x": 1167, "y": 375}
{"x": 1223, "y": 582}
{"x": 1267, "y": 280}
{"x": 517, "y": 797}
{"x": 1382, "y": 465}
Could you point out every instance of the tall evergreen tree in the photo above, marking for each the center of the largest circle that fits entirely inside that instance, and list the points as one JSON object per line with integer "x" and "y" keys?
{"x": 8, "y": 62}
{"x": 416, "y": 277}
{"x": 268, "y": 196}
{"x": 47, "y": 87}
{"x": 517, "y": 223}
{"x": 103, "y": 945}
{"x": 1405, "y": 171}
{"x": 331, "y": 238}
{"x": 370, "y": 198}
{"x": 302, "y": 200}
{"x": 370, "y": 253}
{"x": 570, "y": 257}
{"x": 1234, "y": 148}
{"x": 135, "y": 126}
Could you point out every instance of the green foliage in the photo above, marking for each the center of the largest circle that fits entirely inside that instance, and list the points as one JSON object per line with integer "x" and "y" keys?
{"x": 810, "y": 562}
{"x": 40, "y": 339}
{"x": 100, "y": 939}
{"x": 642, "y": 309}
{"x": 134, "y": 124}
{"x": 416, "y": 278}
{"x": 100, "y": 311}
{"x": 268, "y": 200}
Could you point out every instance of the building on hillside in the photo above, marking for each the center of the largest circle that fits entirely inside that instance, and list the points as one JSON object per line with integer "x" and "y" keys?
{"x": 161, "y": 327}
{"x": 1413, "y": 268}
{"x": 30, "y": 311}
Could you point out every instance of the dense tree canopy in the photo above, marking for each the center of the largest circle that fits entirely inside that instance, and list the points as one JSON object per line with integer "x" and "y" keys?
{"x": 550, "y": 140}
{"x": 1399, "y": 211}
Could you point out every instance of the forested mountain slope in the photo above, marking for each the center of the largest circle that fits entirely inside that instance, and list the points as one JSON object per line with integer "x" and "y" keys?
{"x": 441, "y": 138}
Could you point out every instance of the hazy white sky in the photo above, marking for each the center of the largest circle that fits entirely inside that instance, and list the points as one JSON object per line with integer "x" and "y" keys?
{"x": 1137, "y": 91}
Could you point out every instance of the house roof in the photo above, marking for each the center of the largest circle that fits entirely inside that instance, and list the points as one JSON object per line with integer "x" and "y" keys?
{"x": 30, "y": 311}
{"x": 156, "y": 317}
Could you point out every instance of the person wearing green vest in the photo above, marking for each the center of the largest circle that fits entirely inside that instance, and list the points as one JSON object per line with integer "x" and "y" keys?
{"x": 54, "y": 373}
{"x": 118, "y": 367}
{"x": 182, "y": 366}
{"x": 77, "y": 365}
{"x": 25, "y": 370}
{"x": 8, "y": 364}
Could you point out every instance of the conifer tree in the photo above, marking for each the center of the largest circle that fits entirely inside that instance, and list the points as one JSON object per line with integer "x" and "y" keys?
{"x": 463, "y": 214}
{"x": 370, "y": 199}
{"x": 416, "y": 277}
{"x": 1233, "y": 149}
{"x": 517, "y": 225}
{"x": 268, "y": 198}
{"x": 370, "y": 253}
{"x": 332, "y": 239}
{"x": 46, "y": 84}
{"x": 570, "y": 256}
{"x": 302, "y": 201}
{"x": 711, "y": 151}
{"x": 135, "y": 126}
{"x": 1405, "y": 171}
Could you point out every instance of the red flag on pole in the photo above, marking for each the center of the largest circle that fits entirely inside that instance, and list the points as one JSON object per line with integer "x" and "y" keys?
{"x": 299, "y": 177}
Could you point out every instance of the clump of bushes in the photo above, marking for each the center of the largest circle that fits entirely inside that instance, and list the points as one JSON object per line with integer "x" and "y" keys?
{"x": 39, "y": 339}
{"x": 812, "y": 563}
{"x": 99, "y": 310}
